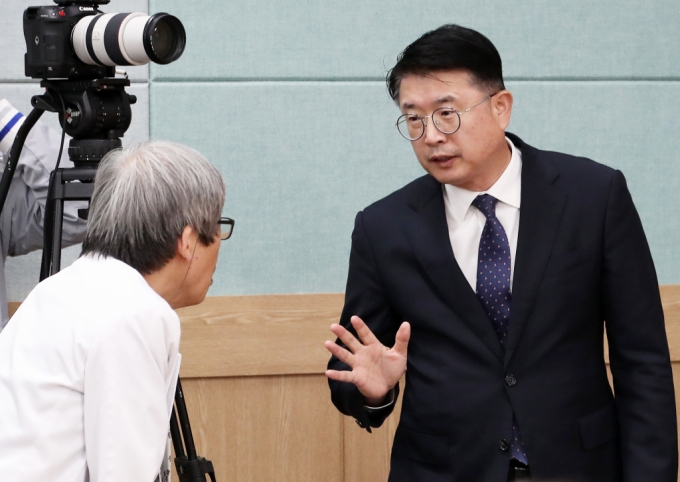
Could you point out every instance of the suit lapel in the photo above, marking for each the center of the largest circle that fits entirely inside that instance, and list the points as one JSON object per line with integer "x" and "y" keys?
{"x": 541, "y": 210}
{"x": 428, "y": 235}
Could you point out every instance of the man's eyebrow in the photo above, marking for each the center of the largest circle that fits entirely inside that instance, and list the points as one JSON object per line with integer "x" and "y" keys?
{"x": 442, "y": 100}
{"x": 445, "y": 99}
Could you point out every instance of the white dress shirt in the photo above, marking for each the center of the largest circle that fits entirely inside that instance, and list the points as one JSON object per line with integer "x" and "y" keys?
{"x": 466, "y": 222}
{"x": 88, "y": 367}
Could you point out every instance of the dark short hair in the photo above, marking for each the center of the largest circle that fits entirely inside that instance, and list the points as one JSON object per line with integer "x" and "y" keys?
{"x": 449, "y": 47}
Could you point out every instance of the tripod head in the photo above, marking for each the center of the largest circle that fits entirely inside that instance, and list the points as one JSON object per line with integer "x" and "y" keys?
{"x": 95, "y": 113}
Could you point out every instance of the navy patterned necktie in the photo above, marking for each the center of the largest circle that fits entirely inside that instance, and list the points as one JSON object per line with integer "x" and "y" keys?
{"x": 493, "y": 267}
{"x": 493, "y": 287}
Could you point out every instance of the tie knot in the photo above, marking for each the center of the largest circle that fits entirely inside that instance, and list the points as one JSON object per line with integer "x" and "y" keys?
{"x": 486, "y": 204}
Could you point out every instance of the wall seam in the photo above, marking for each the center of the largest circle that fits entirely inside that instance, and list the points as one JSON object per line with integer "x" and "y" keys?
{"x": 207, "y": 80}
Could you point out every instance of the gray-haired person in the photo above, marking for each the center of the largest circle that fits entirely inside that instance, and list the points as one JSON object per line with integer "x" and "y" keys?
{"x": 89, "y": 362}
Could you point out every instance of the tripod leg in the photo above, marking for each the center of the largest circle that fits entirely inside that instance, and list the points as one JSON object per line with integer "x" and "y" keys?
{"x": 190, "y": 467}
{"x": 176, "y": 436}
{"x": 61, "y": 189}
{"x": 48, "y": 221}
{"x": 56, "y": 236}
{"x": 184, "y": 422}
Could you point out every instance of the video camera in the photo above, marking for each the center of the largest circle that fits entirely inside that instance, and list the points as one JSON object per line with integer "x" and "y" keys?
{"x": 75, "y": 41}
{"x": 75, "y": 48}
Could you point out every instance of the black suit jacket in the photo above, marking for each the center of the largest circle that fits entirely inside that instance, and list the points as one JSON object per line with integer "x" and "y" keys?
{"x": 582, "y": 265}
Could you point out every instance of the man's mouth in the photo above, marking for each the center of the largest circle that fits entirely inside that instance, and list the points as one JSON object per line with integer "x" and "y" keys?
{"x": 442, "y": 159}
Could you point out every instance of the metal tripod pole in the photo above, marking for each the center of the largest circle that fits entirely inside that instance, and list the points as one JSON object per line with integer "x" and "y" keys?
{"x": 190, "y": 467}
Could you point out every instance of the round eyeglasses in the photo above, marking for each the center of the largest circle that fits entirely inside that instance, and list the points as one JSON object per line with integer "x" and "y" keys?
{"x": 445, "y": 119}
{"x": 226, "y": 228}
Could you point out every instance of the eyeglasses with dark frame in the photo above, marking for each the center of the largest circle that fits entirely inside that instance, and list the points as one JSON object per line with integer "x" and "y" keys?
{"x": 226, "y": 228}
{"x": 445, "y": 119}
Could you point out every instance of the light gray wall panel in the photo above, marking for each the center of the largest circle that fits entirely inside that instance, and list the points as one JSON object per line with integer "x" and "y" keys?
{"x": 300, "y": 158}
{"x": 22, "y": 271}
{"x": 632, "y": 126}
{"x": 13, "y": 46}
{"x": 299, "y": 161}
{"x": 311, "y": 39}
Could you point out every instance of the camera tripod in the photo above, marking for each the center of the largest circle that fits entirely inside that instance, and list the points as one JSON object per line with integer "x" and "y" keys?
{"x": 98, "y": 110}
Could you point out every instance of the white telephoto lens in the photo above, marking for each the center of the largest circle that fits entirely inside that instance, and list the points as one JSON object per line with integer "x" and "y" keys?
{"x": 78, "y": 37}
{"x": 131, "y": 40}
{"x": 97, "y": 35}
{"x": 112, "y": 39}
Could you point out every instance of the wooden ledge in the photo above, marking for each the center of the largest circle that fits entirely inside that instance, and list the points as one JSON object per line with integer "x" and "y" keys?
{"x": 236, "y": 336}
{"x": 229, "y": 336}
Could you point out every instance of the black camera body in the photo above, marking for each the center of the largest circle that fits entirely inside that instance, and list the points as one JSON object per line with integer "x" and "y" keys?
{"x": 49, "y": 53}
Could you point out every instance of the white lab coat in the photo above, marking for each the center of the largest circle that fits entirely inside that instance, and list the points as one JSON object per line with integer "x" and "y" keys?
{"x": 88, "y": 368}
{"x": 21, "y": 221}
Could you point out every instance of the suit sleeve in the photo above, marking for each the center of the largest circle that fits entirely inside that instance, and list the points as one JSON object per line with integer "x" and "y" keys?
{"x": 638, "y": 349}
{"x": 364, "y": 297}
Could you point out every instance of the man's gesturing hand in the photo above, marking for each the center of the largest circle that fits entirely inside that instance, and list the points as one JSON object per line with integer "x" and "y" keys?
{"x": 376, "y": 369}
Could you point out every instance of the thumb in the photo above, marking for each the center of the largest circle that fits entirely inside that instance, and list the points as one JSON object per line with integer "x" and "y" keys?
{"x": 402, "y": 338}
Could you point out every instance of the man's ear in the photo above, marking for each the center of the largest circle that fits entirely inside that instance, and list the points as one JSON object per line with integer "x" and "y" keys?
{"x": 186, "y": 243}
{"x": 502, "y": 107}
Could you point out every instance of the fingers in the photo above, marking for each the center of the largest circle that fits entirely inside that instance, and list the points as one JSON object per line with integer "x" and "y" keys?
{"x": 363, "y": 331}
{"x": 368, "y": 338}
{"x": 340, "y": 375}
{"x": 342, "y": 354}
{"x": 346, "y": 337}
{"x": 402, "y": 338}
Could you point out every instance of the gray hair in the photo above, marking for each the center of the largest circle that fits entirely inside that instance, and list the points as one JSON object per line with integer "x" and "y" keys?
{"x": 144, "y": 196}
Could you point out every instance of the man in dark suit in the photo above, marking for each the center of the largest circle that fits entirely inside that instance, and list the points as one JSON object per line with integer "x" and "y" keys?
{"x": 508, "y": 263}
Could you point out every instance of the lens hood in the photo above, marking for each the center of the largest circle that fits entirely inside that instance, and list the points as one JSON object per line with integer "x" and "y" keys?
{"x": 164, "y": 38}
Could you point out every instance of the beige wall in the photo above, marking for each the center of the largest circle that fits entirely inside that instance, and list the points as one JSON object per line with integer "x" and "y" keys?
{"x": 259, "y": 402}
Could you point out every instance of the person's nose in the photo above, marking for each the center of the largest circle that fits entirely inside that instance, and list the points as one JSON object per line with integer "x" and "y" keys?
{"x": 432, "y": 135}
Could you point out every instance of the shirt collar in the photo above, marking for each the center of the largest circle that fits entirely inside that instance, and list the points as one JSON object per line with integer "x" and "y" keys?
{"x": 506, "y": 189}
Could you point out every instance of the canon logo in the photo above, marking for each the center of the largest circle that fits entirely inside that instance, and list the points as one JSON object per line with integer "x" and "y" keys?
{"x": 86, "y": 9}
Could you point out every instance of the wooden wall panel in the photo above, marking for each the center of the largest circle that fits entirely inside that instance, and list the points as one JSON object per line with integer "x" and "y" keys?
{"x": 233, "y": 336}
{"x": 258, "y": 335}
{"x": 238, "y": 435}
{"x": 272, "y": 428}
{"x": 670, "y": 297}
{"x": 259, "y": 403}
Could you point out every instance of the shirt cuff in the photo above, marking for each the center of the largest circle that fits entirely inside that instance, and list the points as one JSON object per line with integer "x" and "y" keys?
{"x": 10, "y": 121}
{"x": 389, "y": 400}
